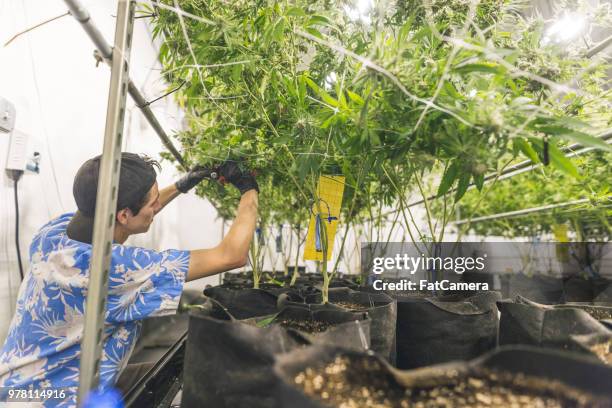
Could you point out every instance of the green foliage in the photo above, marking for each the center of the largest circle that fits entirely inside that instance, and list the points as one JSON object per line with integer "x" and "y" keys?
{"x": 588, "y": 221}
{"x": 296, "y": 107}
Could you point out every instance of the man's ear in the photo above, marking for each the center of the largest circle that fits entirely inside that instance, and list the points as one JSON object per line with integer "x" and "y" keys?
{"x": 123, "y": 216}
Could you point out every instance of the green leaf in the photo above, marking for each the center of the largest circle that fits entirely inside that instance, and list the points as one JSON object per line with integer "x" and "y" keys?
{"x": 450, "y": 89}
{"x": 295, "y": 12}
{"x": 321, "y": 92}
{"x": 279, "y": 30}
{"x": 567, "y": 128}
{"x": 486, "y": 67}
{"x": 236, "y": 72}
{"x": 302, "y": 88}
{"x": 560, "y": 161}
{"x": 355, "y": 98}
{"x": 526, "y": 149}
{"x": 448, "y": 178}
{"x": 479, "y": 181}
{"x": 328, "y": 121}
{"x": 314, "y": 32}
{"x": 577, "y": 136}
{"x": 266, "y": 321}
{"x": 462, "y": 185}
{"x": 319, "y": 20}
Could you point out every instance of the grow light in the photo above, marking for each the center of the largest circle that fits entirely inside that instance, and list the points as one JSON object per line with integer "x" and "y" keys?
{"x": 566, "y": 29}
{"x": 360, "y": 12}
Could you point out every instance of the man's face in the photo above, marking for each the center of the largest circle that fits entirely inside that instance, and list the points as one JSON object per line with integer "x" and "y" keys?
{"x": 141, "y": 222}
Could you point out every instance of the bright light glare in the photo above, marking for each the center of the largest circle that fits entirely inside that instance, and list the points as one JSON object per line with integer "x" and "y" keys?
{"x": 360, "y": 12}
{"x": 330, "y": 80}
{"x": 565, "y": 29}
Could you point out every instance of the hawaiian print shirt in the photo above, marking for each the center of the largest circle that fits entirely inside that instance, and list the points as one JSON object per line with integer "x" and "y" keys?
{"x": 43, "y": 348}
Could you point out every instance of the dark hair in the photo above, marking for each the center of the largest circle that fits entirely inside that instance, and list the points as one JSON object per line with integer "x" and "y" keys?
{"x": 154, "y": 164}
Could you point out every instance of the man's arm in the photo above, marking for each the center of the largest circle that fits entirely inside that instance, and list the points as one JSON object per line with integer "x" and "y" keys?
{"x": 182, "y": 185}
{"x": 233, "y": 251}
{"x": 167, "y": 194}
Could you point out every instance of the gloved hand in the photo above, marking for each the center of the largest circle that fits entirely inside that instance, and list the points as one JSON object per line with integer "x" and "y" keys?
{"x": 192, "y": 179}
{"x": 232, "y": 172}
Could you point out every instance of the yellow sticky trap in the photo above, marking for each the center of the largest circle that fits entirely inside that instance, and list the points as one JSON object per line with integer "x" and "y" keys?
{"x": 327, "y": 207}
{"x": 560, "y": 231}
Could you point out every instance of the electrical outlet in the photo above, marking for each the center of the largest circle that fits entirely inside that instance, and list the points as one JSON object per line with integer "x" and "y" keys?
{"x": 17, "y": 158}
{"x": 7, "y": 116}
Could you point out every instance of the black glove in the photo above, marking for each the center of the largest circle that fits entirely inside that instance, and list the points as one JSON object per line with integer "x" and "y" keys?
{"x": 192, "y": 179}
{"x": 232, "y": 172}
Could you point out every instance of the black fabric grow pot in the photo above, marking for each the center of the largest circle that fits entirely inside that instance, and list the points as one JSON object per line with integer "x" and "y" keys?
{"x": 542, "y": 289}
{"x": 602, "y": 291}
{"x": 544, "y": 326}
{"x": 244, "y": 303}
{"x": 436, "y": 330}
{"x": 381, "y": 308}
{"x": 229, "y": 363}
{"x": 578, "y": 289}
{"x": 571, "y": 380}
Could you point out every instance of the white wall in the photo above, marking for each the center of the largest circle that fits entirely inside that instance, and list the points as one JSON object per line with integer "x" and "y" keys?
{"x": 60, "y": 96}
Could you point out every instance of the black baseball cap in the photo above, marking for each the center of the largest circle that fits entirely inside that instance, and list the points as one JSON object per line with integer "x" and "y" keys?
{"x": 137, "y": 176}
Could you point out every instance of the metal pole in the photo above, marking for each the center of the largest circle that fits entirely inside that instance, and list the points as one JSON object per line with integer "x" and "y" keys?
{"x": 104, "y": 220}
{"x": 105, "y": 51}
{"x": 599, "y": 47}
{"x": 521, "y": 212}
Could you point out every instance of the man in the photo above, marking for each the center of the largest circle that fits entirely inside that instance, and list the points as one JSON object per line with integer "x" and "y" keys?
{"x": 43, "y": 348}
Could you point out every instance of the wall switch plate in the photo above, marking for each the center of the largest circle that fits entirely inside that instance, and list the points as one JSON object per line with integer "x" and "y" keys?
{"x": 17, "y": 158}
{"x": 7, "y": 116}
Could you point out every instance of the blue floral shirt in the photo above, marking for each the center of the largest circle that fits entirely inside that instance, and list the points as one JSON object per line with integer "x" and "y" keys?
{"x": 43, "y": 348}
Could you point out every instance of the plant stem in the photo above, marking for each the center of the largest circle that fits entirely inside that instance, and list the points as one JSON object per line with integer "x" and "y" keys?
{"x": 426, "y": 202}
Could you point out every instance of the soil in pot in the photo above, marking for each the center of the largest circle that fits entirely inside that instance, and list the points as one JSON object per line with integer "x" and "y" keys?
{"x": 598, "y": 312}
{"x": 308, "y": 326}
{"x": 358, "y": 383}
{"x": 599, "y": 345}
{"x": 324, "y": 323}
{"x": 381, "y": 308}
{"x": 603, "y": 351}
{"x": 350, "y": 305}
{"x": 351, "y": 381}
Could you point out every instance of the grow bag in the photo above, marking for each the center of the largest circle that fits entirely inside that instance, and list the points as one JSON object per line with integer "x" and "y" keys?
{"x": 318, "y": 377}
{"x": 244, "y": 303}
{"x": 577, "y": 289}
{"x": 381, "y": 308}
{"x": 542, "y": 289}
{"x": 437, "y": 330}
{"x": 602, "y": 291}
{"x": 228, "y": 363}
{"x": 598, "y": 345}
{"x": 601, "y": 313}
{"x": 540, "y": 325}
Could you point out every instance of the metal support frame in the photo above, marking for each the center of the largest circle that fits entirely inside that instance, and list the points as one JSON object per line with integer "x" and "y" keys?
{"x": 105, "y": 51}
{"x": 104, "y": 220}
{"x": 525, "y": 211}
{"x": 599, "y": 47}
